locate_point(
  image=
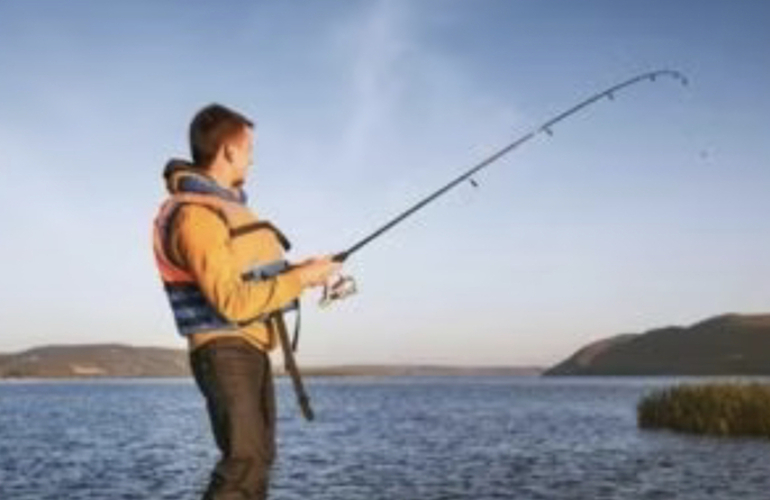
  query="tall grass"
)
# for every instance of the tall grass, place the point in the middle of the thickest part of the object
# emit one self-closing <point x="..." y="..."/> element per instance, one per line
<point x="715" y="409"/>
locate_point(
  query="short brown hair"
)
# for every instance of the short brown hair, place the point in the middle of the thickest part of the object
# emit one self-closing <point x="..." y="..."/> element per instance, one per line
<point x="211" y="127"/>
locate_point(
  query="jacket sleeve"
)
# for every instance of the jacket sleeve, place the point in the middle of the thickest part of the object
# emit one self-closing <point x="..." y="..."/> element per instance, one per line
<point x="200" y="240"/>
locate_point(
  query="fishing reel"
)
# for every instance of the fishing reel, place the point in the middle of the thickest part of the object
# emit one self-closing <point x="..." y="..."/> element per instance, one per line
<point x="337" y="288"/>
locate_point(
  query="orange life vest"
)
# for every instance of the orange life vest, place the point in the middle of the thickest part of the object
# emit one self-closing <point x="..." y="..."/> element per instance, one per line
<point x="192" y="311"/>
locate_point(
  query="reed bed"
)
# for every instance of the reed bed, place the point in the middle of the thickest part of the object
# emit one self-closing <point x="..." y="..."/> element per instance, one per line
<point x="723" y="409"/>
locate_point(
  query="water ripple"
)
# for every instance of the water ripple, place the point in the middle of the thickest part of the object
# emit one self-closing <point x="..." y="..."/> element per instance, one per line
<point x="400" y="438"/>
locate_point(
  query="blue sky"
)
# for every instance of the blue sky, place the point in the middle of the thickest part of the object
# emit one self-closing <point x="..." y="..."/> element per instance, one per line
<point x="646" y="211"/>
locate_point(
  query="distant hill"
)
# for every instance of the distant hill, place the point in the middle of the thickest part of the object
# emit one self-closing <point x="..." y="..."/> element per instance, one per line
<point x="98" y="360"/>
<point x="421" y="371"/>
<point x="115" y="360"/>
<point x="731" y="344"/>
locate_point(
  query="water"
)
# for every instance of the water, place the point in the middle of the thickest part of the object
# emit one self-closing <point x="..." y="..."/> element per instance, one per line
<point x="389" y="438"/>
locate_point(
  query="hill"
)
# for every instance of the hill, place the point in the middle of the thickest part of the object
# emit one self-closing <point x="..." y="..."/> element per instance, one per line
<point x="421" y="371"/>
<point x="115" y="360"/>
<point x="98" y="360"/>
<point x="731" y="344"/>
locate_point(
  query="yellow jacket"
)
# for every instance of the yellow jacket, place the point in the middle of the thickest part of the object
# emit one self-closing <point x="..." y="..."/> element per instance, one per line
<point x="206" y="238"/>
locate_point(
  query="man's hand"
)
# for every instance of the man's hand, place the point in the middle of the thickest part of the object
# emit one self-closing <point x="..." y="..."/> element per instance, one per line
<point x="316" y="271"/>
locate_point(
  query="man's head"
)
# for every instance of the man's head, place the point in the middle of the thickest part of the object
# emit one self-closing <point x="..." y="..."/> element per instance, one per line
<point x="222" y="144"/>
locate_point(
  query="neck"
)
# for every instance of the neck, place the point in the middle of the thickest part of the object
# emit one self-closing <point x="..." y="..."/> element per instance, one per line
<point x="219" y="174"/>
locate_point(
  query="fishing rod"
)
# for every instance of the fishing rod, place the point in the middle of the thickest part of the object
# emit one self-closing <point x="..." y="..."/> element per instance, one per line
<point x="345" y="286"/>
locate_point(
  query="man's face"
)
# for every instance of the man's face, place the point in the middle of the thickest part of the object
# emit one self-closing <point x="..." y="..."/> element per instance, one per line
<point x="241" y="156"/>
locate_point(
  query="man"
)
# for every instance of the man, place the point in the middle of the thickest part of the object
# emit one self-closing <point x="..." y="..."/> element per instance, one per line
<point x="207" y="245"/>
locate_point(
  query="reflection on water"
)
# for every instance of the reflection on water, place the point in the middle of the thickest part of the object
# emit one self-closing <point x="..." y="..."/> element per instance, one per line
<point x="391" y="438"/>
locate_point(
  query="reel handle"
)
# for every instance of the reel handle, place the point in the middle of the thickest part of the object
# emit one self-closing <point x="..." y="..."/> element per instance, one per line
<point x="337" y="288"/>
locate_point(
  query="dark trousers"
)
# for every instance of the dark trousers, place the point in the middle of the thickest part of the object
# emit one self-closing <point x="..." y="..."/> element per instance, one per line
<point x="236" y="380"/>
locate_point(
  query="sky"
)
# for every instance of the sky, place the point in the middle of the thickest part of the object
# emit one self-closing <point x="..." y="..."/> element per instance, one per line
<point x="642" y="212"/>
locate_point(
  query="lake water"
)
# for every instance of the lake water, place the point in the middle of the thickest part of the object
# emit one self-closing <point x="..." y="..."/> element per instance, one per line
<point x="374" y="438"/>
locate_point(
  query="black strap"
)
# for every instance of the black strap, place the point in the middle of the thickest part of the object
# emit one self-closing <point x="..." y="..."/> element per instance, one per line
<point x="297" y="322"/>
<point x="291" y="367"/>
<point x="259" y="225"/>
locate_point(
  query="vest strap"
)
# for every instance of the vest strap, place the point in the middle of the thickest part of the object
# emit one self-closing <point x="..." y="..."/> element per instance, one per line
<point x="291" y="367"/>
<point x="259" y="225"/>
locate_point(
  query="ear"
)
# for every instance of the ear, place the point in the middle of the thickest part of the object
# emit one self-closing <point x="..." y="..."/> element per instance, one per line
<point x="228" y="154"/>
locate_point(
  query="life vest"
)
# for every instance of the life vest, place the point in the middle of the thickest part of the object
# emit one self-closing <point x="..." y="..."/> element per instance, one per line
<point x="191" y="310"/>
<point x="258" y="249"/>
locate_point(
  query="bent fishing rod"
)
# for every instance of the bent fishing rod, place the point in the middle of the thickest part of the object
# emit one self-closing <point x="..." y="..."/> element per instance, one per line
<point x="345" y="286"/>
